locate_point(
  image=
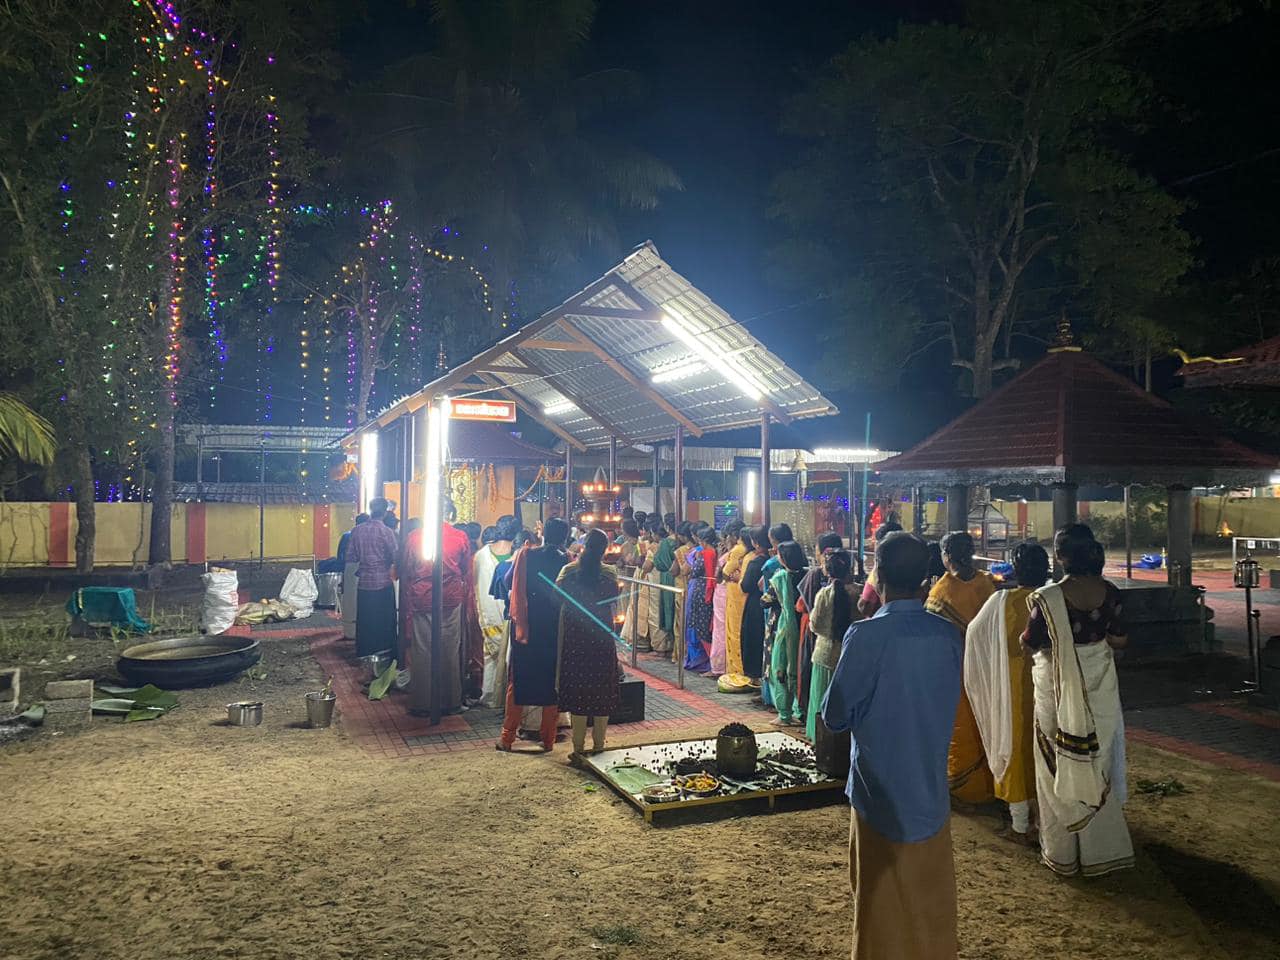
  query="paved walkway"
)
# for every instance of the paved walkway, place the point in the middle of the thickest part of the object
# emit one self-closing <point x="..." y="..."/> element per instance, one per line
<point x="1189" y="707"/>
<point x="385" y="726"/>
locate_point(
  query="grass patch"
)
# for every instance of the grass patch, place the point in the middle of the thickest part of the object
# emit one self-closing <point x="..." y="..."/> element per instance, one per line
<point x="27" y="639"/>
<point x="44" y="633"/>
<point x="620" y="935"/>
<point x="1168" y="787"/>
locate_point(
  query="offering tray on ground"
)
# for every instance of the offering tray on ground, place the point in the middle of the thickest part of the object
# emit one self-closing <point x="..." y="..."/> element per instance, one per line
<point x="786" y="766"/>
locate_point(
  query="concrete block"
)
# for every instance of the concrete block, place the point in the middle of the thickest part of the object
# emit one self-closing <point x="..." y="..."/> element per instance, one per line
<point x="68" y="714"/>
<point x="68" y="690"/>
<point x="82" y="704"/>
<point x="10" y="693"/>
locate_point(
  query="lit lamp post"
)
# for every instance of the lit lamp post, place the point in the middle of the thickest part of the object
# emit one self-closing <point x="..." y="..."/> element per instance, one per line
<point x="1248" y="576"/>
<point x="433" y="494"/>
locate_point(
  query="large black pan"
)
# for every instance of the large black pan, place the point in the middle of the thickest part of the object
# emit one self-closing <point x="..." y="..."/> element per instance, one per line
<point x="188" y="661"/>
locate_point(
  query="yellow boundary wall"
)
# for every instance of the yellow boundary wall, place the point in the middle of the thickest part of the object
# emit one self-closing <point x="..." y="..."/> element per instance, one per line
<point x="43" y="534"/>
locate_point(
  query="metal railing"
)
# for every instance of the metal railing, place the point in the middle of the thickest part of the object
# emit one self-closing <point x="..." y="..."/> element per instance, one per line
<point x="633" y="614"/>
<point x="310" y="557"/>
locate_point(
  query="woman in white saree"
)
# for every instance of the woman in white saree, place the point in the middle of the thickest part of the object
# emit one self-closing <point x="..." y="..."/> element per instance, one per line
<point x="1079" y="728"/>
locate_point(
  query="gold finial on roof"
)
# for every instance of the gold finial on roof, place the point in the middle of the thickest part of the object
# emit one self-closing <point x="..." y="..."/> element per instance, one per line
<point x="1065" y="342"/>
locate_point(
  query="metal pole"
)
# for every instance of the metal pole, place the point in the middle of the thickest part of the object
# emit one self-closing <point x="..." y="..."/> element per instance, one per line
<point x="613" y="460"/>
<point x="437" y="591"/>
<point x="262" y="502"/>
<point x="405" y="471"/>
<point x="412" y="458"/>
<point x="866" y="466"/>
<point x="679" y="467"/>
<point x="853" y="514"/>
<point x="568" y="484"/>
<point x="657" y="481"/>
<point x="1128" y="537"/>
<point x="1256" y="616"/>
<point x="218" y="461"/>
<point x="860" y="535"/>
<point x="635" y="626"/>
<point x="200" y="465"/>
<point x="764" y="470"/>
<point x="1248" y="627"/>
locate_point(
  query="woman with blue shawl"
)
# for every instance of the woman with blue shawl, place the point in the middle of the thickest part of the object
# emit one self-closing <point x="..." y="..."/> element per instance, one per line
<point x="701" y="563"/>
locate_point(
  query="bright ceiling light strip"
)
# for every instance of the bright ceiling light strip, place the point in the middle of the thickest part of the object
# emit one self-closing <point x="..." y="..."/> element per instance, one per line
<point x="851" y="454"/>
<point x="559" y="406"/>
<point x="732" y="372"/>
<point x="687" y="367"/>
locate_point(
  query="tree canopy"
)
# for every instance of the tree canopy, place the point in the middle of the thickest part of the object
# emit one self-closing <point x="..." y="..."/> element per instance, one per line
<point x="968" y="184"/>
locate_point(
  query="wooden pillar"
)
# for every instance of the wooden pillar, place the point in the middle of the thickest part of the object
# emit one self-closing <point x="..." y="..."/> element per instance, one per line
<point x="764" y="470"/>
<point x="1064" y="512"/>
<point x="568" y="484"/>
<point x="262" y="500"/>
<point x="957" y="508"/>
<point x="199" y="468"/>
<point x="1179" y="546"/>
<point x="1064" y="505"/>
<point x="679" y="475"/>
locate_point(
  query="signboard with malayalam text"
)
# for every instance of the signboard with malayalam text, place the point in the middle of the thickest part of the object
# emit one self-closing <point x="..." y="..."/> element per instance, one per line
<point x="485" y="411"/>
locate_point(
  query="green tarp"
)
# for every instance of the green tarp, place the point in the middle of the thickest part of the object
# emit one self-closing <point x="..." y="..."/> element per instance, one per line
<point x="101" y="606"/>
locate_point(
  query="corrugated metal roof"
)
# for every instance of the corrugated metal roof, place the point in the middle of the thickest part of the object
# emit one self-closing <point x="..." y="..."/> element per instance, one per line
<point x="270" y="493"/>
<point x="595" y="356"/>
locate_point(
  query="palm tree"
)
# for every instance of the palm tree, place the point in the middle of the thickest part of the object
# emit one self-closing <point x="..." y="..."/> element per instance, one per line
<point x="24" y="433"/>
<point x="500" y="137"/>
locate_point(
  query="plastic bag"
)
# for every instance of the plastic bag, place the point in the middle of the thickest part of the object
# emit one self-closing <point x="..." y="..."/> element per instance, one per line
<point x="264" y="611"/>
<point x="221" y="601"/>
<point x="299" y="591"/>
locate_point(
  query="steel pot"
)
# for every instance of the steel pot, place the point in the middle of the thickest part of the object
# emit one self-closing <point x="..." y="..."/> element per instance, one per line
<point x="244" y="713"/>
<point x="320" y="708"/>
<point x="376" y="664"/>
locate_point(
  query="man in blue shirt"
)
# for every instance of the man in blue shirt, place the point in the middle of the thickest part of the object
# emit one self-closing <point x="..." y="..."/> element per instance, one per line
<point x="896" y="689"/>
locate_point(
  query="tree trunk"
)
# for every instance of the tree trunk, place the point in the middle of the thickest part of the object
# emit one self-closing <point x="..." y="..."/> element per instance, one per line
<point x="1147" y="369"/>
<point x="158" y="553"/>
<point x="368" y="366"/>
<point x="86" y="516"/>
<point x="983" y="372"/>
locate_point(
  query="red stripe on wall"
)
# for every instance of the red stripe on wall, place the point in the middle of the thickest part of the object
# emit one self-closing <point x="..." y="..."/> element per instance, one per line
<point x="197" y="552"/>
<point x="320" y="530"/>
<point x="59" y="534"/>
<point x="1022" y="515"/>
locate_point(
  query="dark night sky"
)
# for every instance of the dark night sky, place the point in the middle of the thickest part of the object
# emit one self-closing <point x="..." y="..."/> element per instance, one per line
<point x="720" y="72"/>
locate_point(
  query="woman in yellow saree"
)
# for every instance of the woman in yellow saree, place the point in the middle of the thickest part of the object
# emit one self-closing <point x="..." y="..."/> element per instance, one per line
<point x="997" y="681"/>
<point x="735" y="679"/>
<point x="684" y="539"/>
<point x="958" y="596"/>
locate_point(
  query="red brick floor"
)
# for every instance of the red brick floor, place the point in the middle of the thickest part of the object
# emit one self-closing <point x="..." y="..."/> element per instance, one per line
<point x="385" y="727"/>
<point x="1224" y="732"/>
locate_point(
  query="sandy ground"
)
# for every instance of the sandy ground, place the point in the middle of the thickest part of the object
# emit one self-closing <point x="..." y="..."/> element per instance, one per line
<point x="185" y="838"/>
